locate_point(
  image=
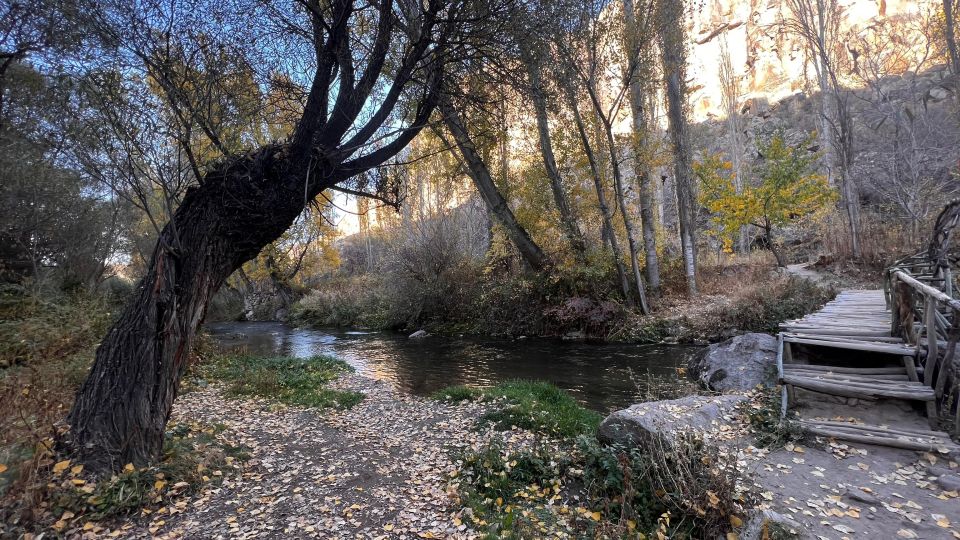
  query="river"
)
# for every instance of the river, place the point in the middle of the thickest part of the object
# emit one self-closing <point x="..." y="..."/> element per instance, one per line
<point x="603" y="376"/>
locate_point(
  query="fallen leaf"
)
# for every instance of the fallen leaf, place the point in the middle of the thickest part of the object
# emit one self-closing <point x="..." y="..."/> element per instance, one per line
<point x="61" y="466"/>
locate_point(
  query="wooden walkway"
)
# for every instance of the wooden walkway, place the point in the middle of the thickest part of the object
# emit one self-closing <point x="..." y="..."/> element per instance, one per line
<point x="849" y="352"/>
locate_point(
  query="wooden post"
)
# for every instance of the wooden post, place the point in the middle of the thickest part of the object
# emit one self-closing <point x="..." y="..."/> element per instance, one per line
<point x="933" y="351"/>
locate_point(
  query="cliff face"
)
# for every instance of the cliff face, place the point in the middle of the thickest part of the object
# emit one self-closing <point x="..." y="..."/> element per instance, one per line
<point x="767" y="63"/>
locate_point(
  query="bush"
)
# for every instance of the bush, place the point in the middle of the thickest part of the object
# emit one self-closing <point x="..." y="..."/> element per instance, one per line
<point x="502" y="488"/>
<point x="682" y="488"/>
<point x="764" y="307"/>
<point x="295" y="381"/>
<point x="65" y="498"/>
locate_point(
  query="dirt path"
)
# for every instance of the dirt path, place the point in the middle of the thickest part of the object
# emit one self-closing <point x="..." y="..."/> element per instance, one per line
<point x="380" y="470"/>
<point x="375" y="471"/>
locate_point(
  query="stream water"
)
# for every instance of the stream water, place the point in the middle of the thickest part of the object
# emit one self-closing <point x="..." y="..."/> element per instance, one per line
<point x="601" y="376"/>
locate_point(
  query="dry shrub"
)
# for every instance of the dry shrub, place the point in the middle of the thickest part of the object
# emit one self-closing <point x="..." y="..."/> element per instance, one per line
<point x="46" y="346"/>
<point x="685" y="487"/>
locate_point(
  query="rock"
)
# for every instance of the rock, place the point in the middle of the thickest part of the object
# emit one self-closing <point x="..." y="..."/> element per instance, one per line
<point x="419" y="334"/>
<point x="949" y="482"/>
<point x="857" y="494"/>
<point x="576" y="335"/>
<point x="738" y="364"/>
<point x="692" y="413"/>
<point x="770" y="524"/>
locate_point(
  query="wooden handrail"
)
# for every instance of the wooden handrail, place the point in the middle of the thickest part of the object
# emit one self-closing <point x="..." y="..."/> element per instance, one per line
<point x="927" y="290"/>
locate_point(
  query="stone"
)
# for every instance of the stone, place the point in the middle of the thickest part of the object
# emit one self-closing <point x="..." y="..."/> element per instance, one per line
<point x="643" y="420"/>
<point x="575" y="335"/>
<point x="739" y="364"/>
<point x="419" y="334"/>
<point x="857" y="494"/>
<point x="949" y="482"/>
<point x="770" y="524"/>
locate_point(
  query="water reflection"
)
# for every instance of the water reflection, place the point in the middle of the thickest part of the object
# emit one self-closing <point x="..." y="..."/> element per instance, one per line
<point x="603" y="377"/>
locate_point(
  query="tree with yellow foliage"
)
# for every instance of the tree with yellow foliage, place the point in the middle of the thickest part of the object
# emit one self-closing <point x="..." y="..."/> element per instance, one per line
<point x="787" y="189"/>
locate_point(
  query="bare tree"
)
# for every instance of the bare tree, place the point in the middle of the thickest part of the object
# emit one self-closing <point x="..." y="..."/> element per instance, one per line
<point x="818" y="24"/>
<point x="730" y="96"/>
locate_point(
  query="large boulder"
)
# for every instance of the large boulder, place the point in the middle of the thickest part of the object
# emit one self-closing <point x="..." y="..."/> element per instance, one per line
<point x="738" y="364"/>
<point x="419" y="334"/>
<point x="665" y="418"/>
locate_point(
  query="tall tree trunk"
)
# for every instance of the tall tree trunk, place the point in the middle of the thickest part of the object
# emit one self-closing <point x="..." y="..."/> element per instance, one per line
<point x="621" y="202"/>
<point x="480" y="174"/>
<point x="568" y="219"/>
<point x="121" y="410"/>
<point x="605" y="212"/>
<point x="637" y="75"/>
<point x="673" y="54"/>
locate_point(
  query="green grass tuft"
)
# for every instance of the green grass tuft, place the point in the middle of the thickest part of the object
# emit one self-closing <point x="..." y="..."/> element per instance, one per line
<point x="457" y="394"/>
<point x="294" y="381"/>
<point x="533" y="405"/>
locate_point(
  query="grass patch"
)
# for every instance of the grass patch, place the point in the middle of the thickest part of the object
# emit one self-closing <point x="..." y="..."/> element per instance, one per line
<point x="294" y="381"/>
<point x="457" y="394"/>
<point x="534" y="405"/>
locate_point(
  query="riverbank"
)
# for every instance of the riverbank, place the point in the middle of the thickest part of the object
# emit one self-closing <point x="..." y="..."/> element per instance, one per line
<point x="734" y="299"/>
<point x="399" y="466"/>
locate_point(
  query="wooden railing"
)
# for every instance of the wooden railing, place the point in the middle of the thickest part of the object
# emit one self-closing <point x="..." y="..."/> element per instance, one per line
<point x="926" y="314"/>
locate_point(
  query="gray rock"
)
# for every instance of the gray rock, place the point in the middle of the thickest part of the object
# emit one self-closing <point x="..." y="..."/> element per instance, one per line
<point x="770" y="524"/>
<point x="738" y="364"/>
<point x="949" y="482"/>
<point x="575" y="335"/>
<point x="857" y="494"/>
<point x="419" y="334"/>
<point x="643" y="420"/>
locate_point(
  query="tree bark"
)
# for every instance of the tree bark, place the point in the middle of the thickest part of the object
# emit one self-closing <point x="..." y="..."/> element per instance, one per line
<point x="621" y="202"/>
<point x="674" y="64"/>
<point x="605" y="212"/>
<point x="121" y="410"/>
<point x="636" y="80"/>
<point x="482" y="179"/>
<point x="777" y="253"/>
<point x="568" y="219"/>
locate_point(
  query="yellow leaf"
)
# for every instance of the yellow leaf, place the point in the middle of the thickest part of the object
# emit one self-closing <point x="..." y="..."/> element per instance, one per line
<point x="733" y="536"/>
<point x="388" y="527"/>
<point x="714" y="500"/>
<point x="595" y="516"/>
<point x="3" y="468"/>
<point x="61" y="466"/>
<point x="426" y="534"/>
<point x="499" y="501"/>
<point x="76" y="469"/>
<point x="158" y="485"/>
<point x="457" y="522"/>
<point x="129" y="467"/>
<point x="735" y="521"/>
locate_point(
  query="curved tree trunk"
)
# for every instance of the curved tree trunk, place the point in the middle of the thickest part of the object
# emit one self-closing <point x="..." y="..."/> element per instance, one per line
<point x="122" y="408"/>
<point x="480" y="174"/>
<point x="567" y="218"/>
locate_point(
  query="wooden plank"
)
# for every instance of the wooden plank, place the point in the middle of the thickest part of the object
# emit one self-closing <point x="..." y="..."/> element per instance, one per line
<point x="849" y="389"/>
<point x="861" y="371"/>
<point x="928" y="290"/>
<point x="928" y="445"/>
<point x="861" y="346"/>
